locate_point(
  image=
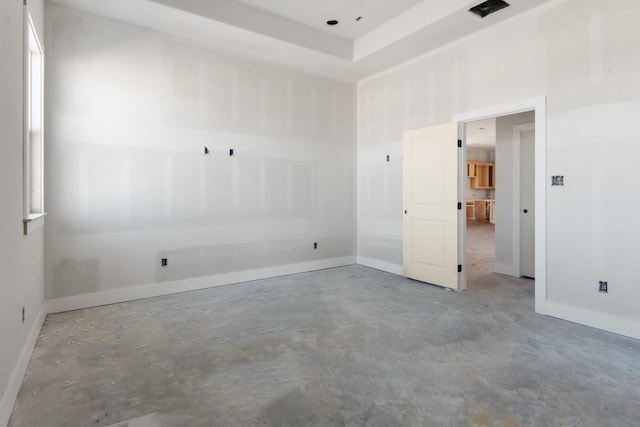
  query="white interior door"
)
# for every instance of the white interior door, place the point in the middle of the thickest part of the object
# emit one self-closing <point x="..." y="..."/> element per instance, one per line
<point x="430" y="203"/>
<point x="527" y="203"/>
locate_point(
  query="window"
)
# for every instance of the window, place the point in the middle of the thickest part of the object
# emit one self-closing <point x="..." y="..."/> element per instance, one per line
<point x="33" y="132"/>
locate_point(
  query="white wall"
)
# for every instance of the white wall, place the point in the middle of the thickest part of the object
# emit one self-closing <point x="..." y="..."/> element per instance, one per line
<point x="130" y="112"/>
<point x="479" y="155"/>
<point x="21" y="257"/>
<point x="504" y="261"/>
<point x="579" y="53"/>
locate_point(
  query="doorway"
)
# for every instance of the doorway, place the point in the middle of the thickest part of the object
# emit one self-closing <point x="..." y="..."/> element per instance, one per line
<point x="480" y="148"/>
<point x="505" y="262"/>
<point x="505" y="144"/>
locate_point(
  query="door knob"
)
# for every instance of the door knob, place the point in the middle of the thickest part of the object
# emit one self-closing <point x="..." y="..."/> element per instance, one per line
<point x="405" y="211"/>
<point x="525" y="211"/>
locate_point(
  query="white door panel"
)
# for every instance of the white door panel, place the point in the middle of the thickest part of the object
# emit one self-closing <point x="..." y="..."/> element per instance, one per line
<point x="430" y="198"/>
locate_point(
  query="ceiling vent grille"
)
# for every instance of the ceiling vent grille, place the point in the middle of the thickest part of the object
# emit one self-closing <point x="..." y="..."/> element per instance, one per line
<point x="488" y="7"/>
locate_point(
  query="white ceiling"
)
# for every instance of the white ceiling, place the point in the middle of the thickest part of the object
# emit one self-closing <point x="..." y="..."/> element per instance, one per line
<point x="481" y="134"/>
<point x="315" y="13"/>
<point x="294" y="32"/>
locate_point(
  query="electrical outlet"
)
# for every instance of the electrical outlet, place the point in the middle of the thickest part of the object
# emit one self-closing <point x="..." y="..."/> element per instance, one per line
<point x="557" y="180"/>
<point x="603" y="287"/>
<point x="315" y="245"/>
<point x="164" y="262"/>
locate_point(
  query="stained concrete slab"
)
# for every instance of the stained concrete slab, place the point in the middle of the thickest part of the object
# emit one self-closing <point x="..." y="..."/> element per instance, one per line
<point x="144" y="421"/>
<point x="348" y="346"/>
<point x="481" y="257"/>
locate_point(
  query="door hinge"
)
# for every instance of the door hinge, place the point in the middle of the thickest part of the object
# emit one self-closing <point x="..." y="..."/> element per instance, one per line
<point x="459" y="268"/>
<point x="459" y="206"/>
<point x="459" y="143"/>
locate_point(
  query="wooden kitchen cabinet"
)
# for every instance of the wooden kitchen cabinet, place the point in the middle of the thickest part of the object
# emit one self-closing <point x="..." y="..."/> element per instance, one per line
<point x="481" y="210"/>
<point x="472" y="169"/>
<point x="471" y="209"/>
<point x="482" y="175"/>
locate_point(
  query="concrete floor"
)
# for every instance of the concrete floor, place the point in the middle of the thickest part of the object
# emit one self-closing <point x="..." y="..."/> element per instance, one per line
<point x="481" y="257"/>
<point x="348" y="346"/>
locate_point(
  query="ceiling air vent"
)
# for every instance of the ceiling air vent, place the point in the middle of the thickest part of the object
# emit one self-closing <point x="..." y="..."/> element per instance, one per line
<point x="488" y="7"/>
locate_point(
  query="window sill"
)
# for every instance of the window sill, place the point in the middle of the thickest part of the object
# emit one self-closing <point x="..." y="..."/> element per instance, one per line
<point x="34" y="222"/>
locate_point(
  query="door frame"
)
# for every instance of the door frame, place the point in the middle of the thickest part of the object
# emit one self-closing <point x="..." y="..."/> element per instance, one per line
<point x="538" y="105"/>
<point x="517" y="185"/>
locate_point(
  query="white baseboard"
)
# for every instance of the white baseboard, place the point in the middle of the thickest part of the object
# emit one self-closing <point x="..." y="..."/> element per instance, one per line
<point x="601" y="321"/>
<point x="78" y="302"/>
<point x="381" y="265"/>
<point x="15" y="382"/>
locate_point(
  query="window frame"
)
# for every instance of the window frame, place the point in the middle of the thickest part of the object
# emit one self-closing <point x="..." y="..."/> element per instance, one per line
<point x="33" y="133"/>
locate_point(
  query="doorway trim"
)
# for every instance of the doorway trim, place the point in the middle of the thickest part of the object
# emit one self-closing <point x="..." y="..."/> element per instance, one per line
<point x="538" y="105"/>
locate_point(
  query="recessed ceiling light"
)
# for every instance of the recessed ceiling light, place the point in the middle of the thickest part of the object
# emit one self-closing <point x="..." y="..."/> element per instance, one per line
<point x="488" y="7"/>
<point x="332" y="22"/>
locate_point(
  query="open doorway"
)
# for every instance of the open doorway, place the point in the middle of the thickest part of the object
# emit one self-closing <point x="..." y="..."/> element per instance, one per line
<point x="500" y="202"/>
<point x="480" y="203"/>
<point x="434" y="220"/>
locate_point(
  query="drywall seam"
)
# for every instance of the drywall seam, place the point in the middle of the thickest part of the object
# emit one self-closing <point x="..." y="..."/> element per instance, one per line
<point x="78" y="302"/>
<point x="11" y="392"/>
<point x="381" y="265"/>
<point x="593" y="319"/>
